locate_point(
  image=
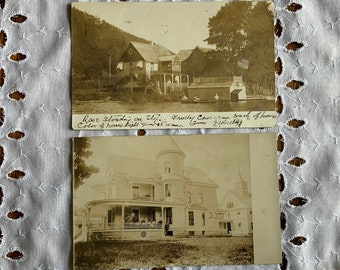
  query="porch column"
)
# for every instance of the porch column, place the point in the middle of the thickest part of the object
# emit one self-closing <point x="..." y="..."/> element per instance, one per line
<point x="164" y="84"/>
<point x="172" y="82"/>
<point x="83" y="226"/>
<point x="123" y="214"/>
<point x="180" y="82"/>
<point x="87" y="218"/>
<point x="163" y="223"/>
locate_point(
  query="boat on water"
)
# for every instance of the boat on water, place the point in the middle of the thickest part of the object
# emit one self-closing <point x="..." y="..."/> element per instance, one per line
<point x="201" y="101"/>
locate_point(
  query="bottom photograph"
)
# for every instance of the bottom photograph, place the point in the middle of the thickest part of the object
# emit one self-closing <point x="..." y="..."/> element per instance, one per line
<point x="156" y="201"/>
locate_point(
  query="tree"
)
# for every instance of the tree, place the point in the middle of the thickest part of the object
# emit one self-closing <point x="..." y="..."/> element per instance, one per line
<point x="242" y="30"/>
<point x="82" y="171"/>
<point x="92" y="38"/>
<point x="227" y="32"/>
<point x="260" y="49"/>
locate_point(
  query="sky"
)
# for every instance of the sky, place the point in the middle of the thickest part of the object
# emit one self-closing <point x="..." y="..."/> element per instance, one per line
<point x="174" y="25"/>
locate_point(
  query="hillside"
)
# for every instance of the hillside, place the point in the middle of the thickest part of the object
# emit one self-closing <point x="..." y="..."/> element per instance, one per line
<point x="92" y="39"/>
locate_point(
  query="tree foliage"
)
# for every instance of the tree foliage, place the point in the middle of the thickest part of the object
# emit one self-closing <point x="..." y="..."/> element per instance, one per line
<point x="227" y="32"/>
<point x="82" y="171"/>
<point x="242" y="30"/>
<point x="92" y="41"/>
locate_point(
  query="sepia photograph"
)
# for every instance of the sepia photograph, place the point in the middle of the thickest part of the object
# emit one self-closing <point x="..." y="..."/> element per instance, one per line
<point x="156" y="201"/>
<point x="169" y="58"/>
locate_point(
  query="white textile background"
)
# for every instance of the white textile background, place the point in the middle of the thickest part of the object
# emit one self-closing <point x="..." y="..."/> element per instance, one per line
<point x="42" y="237"/>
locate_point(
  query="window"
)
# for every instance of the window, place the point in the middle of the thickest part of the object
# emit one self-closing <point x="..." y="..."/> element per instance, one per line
<point x="251" y="225"/>
<point x="135" y="191"/>
<point x="168" y="215"/>
<point x="203" y="219"/>
<point x="167" y="167"/>
<point x="167" y="190"/>
<point x="189" y="197"/>
<point x="154" y="66"/>
<point x="139" y="64"/>
<point x="191" y="218"/>
<point x="110" y="216"/>
<point x="200" y="198"/>
<point x="120" y="66"/>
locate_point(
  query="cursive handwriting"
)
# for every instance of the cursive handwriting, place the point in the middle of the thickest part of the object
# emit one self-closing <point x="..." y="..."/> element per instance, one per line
<point x="178" y="120"/>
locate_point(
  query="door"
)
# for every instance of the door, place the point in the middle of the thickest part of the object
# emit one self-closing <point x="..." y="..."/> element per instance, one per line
<point x="135" y="215"/>
<point x="229" y="227"/>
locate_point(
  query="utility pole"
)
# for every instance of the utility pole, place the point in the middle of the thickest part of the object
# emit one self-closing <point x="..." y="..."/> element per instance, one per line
<point x="110" y="64"/>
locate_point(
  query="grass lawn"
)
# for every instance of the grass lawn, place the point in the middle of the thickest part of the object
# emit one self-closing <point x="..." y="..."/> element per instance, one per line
<point x="158" y="253"/>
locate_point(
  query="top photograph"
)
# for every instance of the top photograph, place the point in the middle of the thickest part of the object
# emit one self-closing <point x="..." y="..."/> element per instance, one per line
<point x="173" y="65"/>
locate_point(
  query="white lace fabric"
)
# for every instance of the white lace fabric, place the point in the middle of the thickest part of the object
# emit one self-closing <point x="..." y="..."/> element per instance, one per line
<point x="40" y="238"/>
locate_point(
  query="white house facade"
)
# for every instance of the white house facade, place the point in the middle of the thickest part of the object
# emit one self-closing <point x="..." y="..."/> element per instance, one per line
<point x="237" y="206"/>
<point x="145" y="199"/>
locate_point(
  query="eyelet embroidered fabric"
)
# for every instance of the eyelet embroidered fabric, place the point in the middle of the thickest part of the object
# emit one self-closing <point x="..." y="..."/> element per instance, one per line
<point x="35" y="187"/>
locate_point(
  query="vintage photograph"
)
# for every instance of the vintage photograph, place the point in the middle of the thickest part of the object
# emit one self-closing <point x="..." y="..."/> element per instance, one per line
<point x="159" y="201"/>
<point x="189" y="57"/>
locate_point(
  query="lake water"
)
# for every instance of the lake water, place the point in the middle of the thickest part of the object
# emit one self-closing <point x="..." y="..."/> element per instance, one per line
<point x="118" y="107"/>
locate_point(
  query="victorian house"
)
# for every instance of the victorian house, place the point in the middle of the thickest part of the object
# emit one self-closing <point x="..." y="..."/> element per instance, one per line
<point x="146" y="61"/>
<point x="145" y="199"/>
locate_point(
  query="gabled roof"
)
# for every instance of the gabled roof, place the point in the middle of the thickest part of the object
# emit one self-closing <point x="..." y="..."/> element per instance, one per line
<point x="244" y="200"/>
<point x="184" y="54"/>
<point x="151" y="52"/>
<point x="196" y="176"/>
<point x="204" y="50"/>
<point x="166" y="58"/>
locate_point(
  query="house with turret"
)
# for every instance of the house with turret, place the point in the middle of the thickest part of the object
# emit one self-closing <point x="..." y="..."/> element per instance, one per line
<point x="151" y="199"/>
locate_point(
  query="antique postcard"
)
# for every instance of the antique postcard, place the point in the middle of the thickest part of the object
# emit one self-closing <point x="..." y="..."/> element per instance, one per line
<point x="156" y="201"/>
<point x="173" y="65"/>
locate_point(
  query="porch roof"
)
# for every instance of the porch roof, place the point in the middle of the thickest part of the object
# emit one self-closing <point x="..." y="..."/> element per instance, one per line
<point x="132" y="203"/>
